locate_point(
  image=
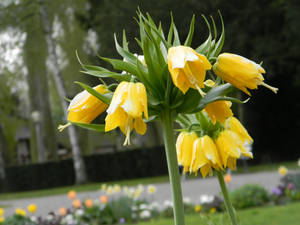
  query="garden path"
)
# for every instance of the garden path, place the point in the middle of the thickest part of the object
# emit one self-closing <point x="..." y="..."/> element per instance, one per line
<point x="192" y="189"/>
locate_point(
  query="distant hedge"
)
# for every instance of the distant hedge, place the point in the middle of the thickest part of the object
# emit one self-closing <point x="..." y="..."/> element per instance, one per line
<point x="100" y="168"/>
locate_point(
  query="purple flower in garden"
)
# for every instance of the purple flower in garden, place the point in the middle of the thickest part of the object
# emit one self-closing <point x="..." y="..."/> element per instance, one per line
<point x="122" y="220"/>
<point x="291" y="186"/>
<point x="276" y="191"/>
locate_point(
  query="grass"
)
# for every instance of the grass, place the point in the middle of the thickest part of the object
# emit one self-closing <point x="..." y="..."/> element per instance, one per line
<point x="273" y="215"/>
<point x="133" y="182"/>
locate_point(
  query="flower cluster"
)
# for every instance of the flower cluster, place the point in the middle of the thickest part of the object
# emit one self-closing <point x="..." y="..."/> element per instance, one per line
<point x="218" y="151"/>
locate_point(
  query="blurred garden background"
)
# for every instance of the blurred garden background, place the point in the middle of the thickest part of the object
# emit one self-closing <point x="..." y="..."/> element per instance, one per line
<point x="38" y="67"/>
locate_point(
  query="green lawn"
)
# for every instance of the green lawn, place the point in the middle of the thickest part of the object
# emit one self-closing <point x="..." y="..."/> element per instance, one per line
<point x="133" y="182"/>
<point x="273" y="215"/>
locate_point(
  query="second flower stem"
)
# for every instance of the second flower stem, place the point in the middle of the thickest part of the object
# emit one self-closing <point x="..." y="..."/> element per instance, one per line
<point x="170" y="148"/>
<point x="227" y="201"/>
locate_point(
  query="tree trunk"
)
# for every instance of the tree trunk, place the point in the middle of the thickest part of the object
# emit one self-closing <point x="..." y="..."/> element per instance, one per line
<point x="78" y="162"/>
<point x="43" y="141"/>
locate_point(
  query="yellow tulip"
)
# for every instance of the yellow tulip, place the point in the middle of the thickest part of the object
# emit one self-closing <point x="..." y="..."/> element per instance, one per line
<point x="32" y="208"/>
<point x="187" y="68"/>
<point x="231" y="147"/>
<point x="126" y="110"/>
<point x="20" y="211"/>
<point x="282" y="170"/>
<point x="205" y="156"/>
<point x="235" y="125"/>
<point x="84" y="107"/>
<point x="184" y="148"/>
<point x="242" y="73"/>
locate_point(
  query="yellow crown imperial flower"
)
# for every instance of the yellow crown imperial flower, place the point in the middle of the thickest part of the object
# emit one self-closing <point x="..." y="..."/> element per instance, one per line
<point x="231" y="147"/>
<point x="187" y="68"/>
<point x="184" y="147"/>
<point x="20" y="212"/>
<point x="126" y="109"/>
<point x="84" y="107"/>
<point x="205" y="156"/>
<point x="219" y="111"/>
<point x="235" y="125"/>
<point x="241" y="72"/>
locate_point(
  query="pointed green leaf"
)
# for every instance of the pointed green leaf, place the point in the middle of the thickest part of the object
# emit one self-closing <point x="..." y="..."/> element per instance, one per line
<point x="124" y="53"/>
<point x="125" y="43"/>
<point x="122" y="65"/>
<point x="93" y="127"/>
<point x="219" y="45"/>
<point x="106" y="98"/>
<point x="176" y="41"/>
<point x="189" y="38"/>
<point x="117" y="76"/>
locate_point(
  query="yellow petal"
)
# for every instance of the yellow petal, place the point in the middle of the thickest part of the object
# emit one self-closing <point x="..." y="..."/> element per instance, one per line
<point x="140" y="126"/>
<point x="116" y="119"/>
<point x="219" y="111"/>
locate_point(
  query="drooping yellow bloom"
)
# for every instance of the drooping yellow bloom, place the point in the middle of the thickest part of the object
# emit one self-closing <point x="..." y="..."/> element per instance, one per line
<point x="205" y="156"/>
<point x="126" y="110"/>
<point x="187" y="68"/>
<point x="218" y="111"/>
<point x="235" y="125"/>
<point x="242" y="73"/>
<point x="84" y="107"/>
<point x="32" y="208"/>
<point x="282" y="170"/>
<point x="184" y="148"/>
<point x="231" y="147"/>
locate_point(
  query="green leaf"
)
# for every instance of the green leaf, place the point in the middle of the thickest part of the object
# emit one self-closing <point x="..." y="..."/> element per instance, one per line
<point x="117" y="76"/>
<point x="124" y="53"/>
<point x="219" y="45"/>
<point x="176" y="41"/>
<point x="121" y="65"/>
<point x="189" y="38"/>
<point x="205" y="46"/>
<point x="93" y="127"/>
<point x="125" y="43"/>
<point x="106" y="98"/>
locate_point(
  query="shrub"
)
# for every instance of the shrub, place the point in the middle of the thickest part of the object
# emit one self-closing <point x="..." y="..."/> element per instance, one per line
<point x="249" y="195"/>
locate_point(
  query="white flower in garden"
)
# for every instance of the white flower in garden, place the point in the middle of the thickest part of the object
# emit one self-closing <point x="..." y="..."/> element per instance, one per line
<point x="134" y="208"/>
<point x="110" y="190"/>
<point x="154" y="206"/>
<point x="168" y="204"/>
<point x="68" y="219"/>
<point x="151" y="189"/>
<point x="299" y="162"/>
<point x="125" y="190"/>
<point x="79" y="212"/>
<point x="140" y="188"/>
<point x="145" y="214"/>
<point x="206" y="199"/>
<point x="49" y="217"/>
<point x="33" y="219"/>
<point x="131" y="192"/>
<point x="186" y="200"/>
<point x="143" y="206"/>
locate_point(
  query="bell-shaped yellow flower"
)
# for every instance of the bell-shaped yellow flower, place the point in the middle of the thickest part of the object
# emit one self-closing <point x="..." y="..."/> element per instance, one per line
<point x="84" y="107"/>
<point x="231" y="147"/>
<point x="205" y="156"/>
<point x="184" y="148"/>
<point x="187" y="68"/>
<point x="219" y="111"/>
<point x="242" y="73"/>
<point x="126" y="109"/>
<point x="235" y="125"/>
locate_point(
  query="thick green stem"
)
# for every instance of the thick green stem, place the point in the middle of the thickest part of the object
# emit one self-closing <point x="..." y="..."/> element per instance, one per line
<point x="227" y="200"/>
<point x="169" y="140"/>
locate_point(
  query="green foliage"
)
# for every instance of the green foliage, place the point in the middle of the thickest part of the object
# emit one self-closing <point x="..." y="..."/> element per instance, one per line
<point x="18" y="220"/>
<point x="249" y="195"/>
